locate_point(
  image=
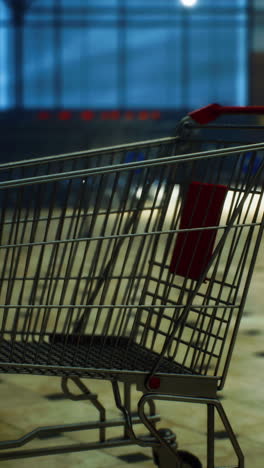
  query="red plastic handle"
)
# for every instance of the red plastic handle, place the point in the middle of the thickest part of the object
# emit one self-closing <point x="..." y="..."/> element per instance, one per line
<point x="209" y="113"/>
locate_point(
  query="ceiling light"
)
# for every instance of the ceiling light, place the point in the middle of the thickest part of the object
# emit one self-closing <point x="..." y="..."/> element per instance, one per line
<point x="189" y="3"/>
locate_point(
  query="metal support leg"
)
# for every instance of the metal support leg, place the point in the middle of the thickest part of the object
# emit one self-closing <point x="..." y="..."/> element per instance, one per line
<point x="127" y="403"/>
<point x="211" y="403"/>
<point x="85" y="395"/>
<point x="232" y="437"/>
<point x="210" y="435"/>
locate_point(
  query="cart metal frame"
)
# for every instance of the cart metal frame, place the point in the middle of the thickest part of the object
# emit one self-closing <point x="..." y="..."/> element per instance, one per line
<point x="106" y="221"/>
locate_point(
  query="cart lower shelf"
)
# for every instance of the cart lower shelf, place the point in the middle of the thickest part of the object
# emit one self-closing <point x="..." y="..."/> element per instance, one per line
<point x="61" y="356"/>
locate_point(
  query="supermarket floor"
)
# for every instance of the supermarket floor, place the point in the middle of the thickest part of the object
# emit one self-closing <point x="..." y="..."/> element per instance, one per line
<point x="28" y="402"/>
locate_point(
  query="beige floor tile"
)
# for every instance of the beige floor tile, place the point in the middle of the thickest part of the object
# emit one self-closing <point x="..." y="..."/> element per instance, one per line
<point x="42" y="385"/>
<point x="9" y="432"/>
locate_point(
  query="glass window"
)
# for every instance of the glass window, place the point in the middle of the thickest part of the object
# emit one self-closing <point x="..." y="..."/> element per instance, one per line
<point x="38" y="67"/>
<point x="153" y="75"/>
<point x="4" y="10"/>
<point x="4" y="65"/>
<point x="89" y="68"/>
<point x="127" y="54"/>
<point x="42" y="4"/>
<point x="217" y="61"/>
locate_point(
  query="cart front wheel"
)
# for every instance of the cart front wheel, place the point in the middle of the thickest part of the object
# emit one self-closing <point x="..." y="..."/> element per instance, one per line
<point x="187" y="460"/>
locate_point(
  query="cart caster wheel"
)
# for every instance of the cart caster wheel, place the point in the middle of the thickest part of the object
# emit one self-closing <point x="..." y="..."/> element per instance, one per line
<point x="155" y="457"/>
<point x="187" y="460"/>
<point x="161" y="455"/>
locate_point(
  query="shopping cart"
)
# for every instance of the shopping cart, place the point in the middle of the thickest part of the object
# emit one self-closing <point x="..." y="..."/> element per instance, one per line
<point x="133" y="269"/>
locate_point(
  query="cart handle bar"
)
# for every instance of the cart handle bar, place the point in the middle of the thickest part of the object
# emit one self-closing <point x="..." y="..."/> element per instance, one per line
<point x="211" y="112"/>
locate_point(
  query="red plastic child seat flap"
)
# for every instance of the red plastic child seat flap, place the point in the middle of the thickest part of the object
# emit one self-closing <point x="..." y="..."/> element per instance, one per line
<point x="202" y="208"/>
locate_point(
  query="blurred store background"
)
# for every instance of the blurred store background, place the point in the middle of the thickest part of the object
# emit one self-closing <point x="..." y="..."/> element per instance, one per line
<point x="76" y="74"/>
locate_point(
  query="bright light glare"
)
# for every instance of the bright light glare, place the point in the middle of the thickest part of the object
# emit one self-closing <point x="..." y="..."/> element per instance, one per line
<point x="189" y="3"/>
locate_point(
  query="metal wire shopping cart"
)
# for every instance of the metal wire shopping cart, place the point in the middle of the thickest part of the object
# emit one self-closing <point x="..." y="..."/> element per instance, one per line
<point x="130" y="264"/>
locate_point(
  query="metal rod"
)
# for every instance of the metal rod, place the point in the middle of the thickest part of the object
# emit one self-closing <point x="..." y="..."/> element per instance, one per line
<point x="132" y="166"/>
<point x="86" y="153"/>
<point x="123" y="236"/>
<point x="64" y="449"/>
<point x="210" y="436"/>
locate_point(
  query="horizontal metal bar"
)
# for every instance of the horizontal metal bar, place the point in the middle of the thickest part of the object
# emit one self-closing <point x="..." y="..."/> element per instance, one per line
<point x="188" y="324"/>
<point x="125" y="236"/>
<point x="221" y="142"/>
<point x="204" y="332"/>
<point x="105" y="374"/>
<point x="208" y="297"/>
<point x="187" y="289"/>
<point x="87" y="153"/>
<point x="68" y="428"/>
<point x="181" y="340"/>
<point x="64" y="449"/>
<point x="232" y="127"/>
<point x="111" y="306"/>
<point x="69" y="278"/>
<point x="161" y="161"/>
<point x="81" y="215"/>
